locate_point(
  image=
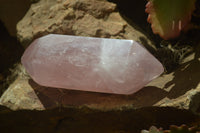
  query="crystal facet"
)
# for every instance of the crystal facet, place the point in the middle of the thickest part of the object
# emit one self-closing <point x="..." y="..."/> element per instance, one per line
<point x="90" y="64"/>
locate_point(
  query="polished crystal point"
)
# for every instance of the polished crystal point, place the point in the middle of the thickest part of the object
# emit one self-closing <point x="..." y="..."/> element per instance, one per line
<point x="90" y="64"/>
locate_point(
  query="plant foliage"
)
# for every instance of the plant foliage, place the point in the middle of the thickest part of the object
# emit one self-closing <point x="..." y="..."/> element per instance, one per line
<point x="173" y="129"/>
<point x="169" y="17"/>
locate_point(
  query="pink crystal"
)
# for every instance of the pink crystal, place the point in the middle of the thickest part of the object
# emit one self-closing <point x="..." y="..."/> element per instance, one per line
<point x="90" y="64"/>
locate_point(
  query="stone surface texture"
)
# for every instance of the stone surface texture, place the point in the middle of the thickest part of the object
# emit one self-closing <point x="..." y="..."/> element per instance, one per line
<point x="162" y="103"/>
<point x="179" y="89"/>
<point x="93" y="18"/>
<point x="90" y="64"/>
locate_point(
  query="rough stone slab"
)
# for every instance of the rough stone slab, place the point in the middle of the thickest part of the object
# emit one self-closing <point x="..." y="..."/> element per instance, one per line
<point x="93" y="18"/>
<point x="180" y="89"/>
<point x="24" y="93"/>
<point x="19" y="93"/>
<point x="50" y="16"/>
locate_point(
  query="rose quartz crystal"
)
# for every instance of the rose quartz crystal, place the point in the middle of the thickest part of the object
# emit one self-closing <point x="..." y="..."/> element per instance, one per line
<point x="90" y="64"/>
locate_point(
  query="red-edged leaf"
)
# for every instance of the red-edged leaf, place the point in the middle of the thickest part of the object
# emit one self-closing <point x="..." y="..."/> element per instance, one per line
<point x="169" y="17"/>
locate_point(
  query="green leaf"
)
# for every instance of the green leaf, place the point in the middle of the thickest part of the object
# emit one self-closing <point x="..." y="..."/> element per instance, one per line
<point x="169" y="17"/>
